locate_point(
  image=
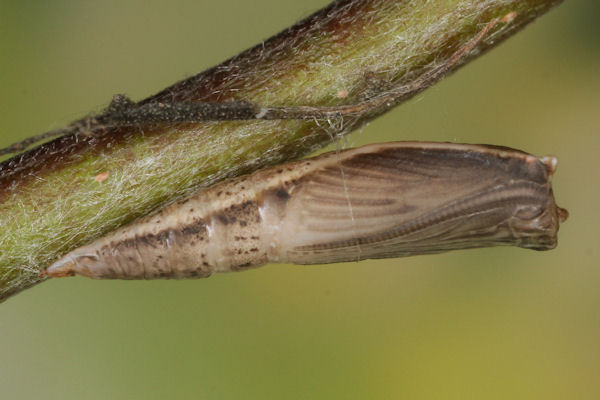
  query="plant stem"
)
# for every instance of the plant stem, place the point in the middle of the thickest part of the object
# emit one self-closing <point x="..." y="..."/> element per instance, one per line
<point x="80" y="186"/>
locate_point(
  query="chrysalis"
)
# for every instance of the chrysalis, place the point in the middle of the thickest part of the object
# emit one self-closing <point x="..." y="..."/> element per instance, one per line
<point x="377" y="201"/>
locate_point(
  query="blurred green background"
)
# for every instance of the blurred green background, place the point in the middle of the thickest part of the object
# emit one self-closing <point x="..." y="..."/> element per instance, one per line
<point x="487" y="324"/>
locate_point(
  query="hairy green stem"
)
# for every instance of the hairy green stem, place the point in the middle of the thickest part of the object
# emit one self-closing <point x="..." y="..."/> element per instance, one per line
<point x="71" y="190"/>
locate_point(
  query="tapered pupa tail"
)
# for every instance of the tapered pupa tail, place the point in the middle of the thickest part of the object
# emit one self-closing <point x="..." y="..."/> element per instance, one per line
<point x="62" y="268"/>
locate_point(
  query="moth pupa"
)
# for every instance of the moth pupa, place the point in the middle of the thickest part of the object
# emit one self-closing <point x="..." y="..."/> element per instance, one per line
<point x="377" y="201"/>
